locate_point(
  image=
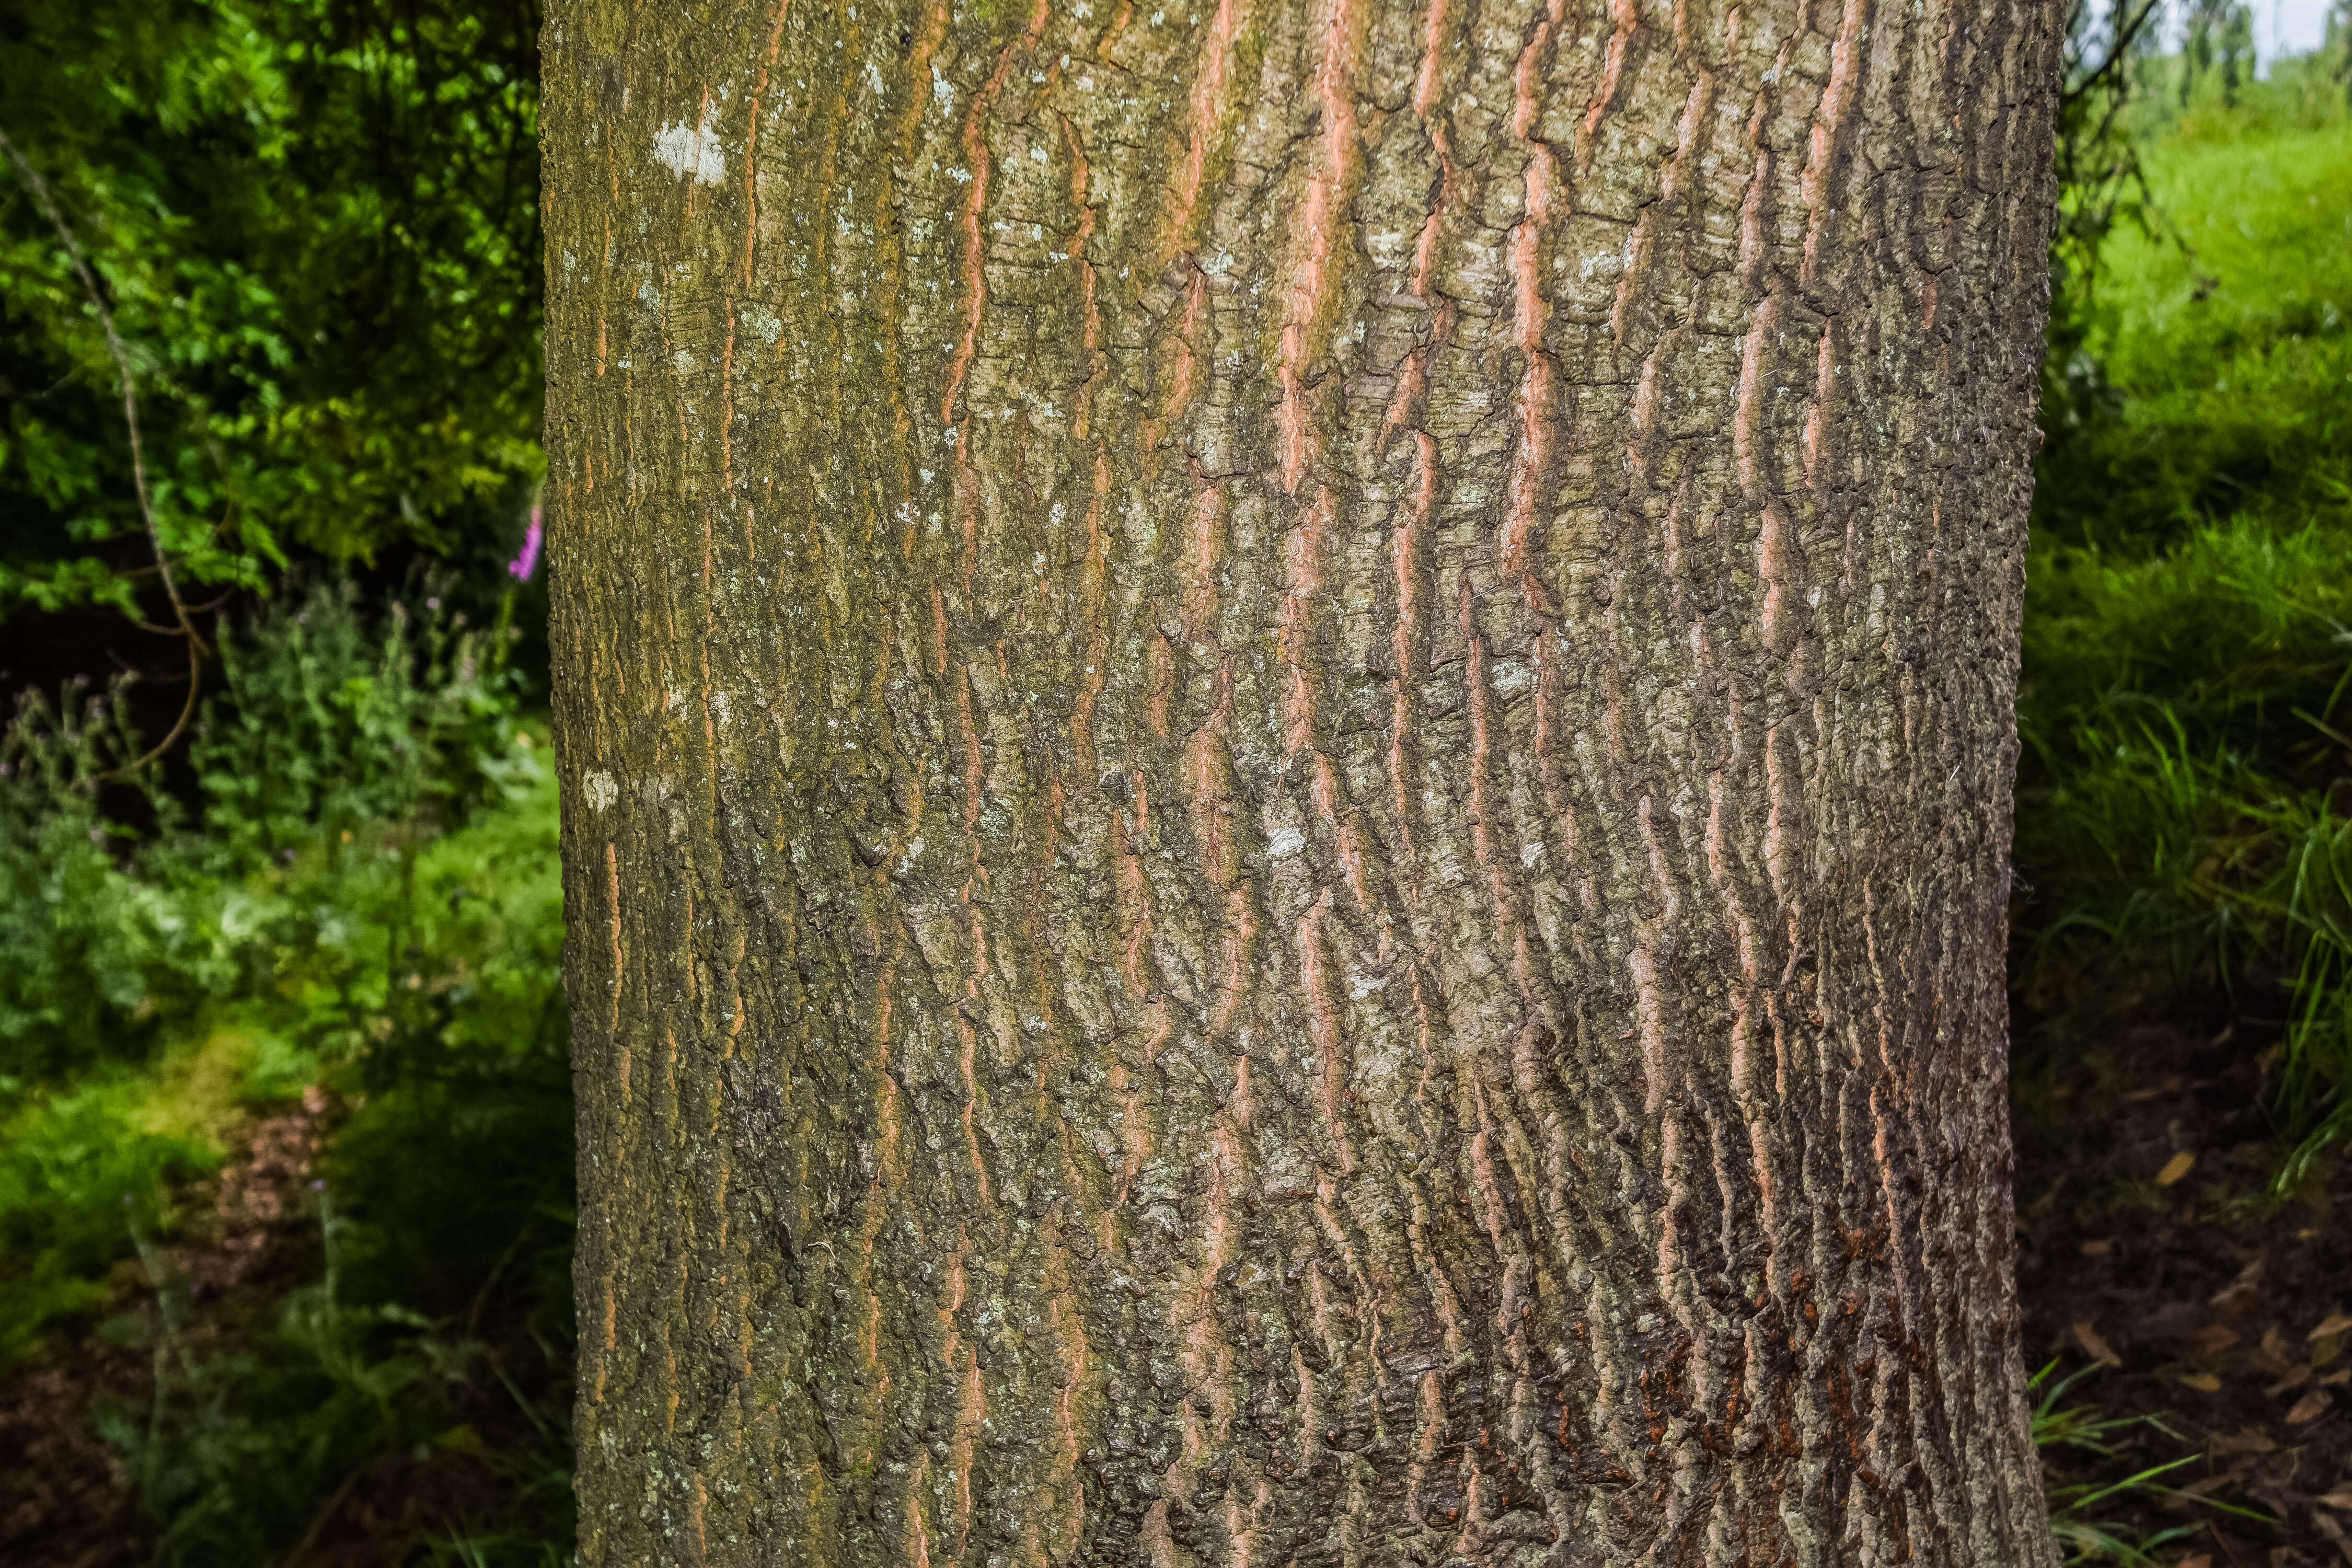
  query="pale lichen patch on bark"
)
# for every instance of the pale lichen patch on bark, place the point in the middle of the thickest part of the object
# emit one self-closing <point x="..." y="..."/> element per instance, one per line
<point x="692" y="152"/>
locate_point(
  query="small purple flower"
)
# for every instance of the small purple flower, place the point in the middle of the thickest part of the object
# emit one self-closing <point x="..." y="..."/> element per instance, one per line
<point x="317" y="1186"/>
<point x="523" y="566"/>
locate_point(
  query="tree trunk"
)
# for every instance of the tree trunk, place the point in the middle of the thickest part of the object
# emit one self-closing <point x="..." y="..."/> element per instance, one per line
<point x="1286" y="736"/>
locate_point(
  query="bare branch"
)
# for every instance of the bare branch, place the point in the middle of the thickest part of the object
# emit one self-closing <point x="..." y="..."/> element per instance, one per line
<point x="2127" y="32"/>
<point x="130" y="379"/>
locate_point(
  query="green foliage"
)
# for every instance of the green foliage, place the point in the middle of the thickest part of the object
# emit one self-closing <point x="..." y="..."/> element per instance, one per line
<point x="2213" y="362"/>
<point x="2068" y="1434"/>
<point x="363" y="896"/>
<point x="77" y="937"/>
<point x="316" y="224"/>
<point x="233" y="1449"/>
<point x="425" y="986"/>
<point x="77" y="1170"/>
<point x="2182" y="809"/>
<point x="326" y="724"/>
<point x="2219" y="43"/>
<point x="2101" y="188"/>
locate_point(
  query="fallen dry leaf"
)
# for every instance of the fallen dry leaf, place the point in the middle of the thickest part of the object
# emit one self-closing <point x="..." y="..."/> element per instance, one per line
<point x="2272" y="1353"/>
<point x="2337" y="1378"/>
<point x="2204" y="1484"/>
<point x="2340" y="1499"/>
<point x="2179" y="1165"/>
<point x="2098" y="1349"/>
<point x="2244" y="1440"/>
<point x="2335" y="1532"/>
<point x="2309" y="1408"/>
<point x="2203" y="1560"/>
<point x="2334" y="1323"/>
<point x="2295" y="1378"/>
<point x="2211" y="1340"/>
<point x="2243" y="1285"/>
<point x="2097" y="1248"/>
<point x="2202" y="1382"/>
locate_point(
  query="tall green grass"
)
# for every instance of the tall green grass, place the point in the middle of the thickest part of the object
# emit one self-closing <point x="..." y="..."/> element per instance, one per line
<point x="2185" y="809"/>
<point x="2069" y="1432"/>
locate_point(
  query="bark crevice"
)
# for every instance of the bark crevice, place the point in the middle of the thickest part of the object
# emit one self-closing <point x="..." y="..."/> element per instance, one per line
<point x="1287" y="730"/>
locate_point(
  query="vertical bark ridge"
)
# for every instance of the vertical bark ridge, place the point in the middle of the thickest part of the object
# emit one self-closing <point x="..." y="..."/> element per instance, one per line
<point x="1291" y="847"/>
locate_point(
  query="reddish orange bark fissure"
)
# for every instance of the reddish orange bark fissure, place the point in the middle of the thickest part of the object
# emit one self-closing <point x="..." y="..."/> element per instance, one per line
<point x="1286" y="732"/>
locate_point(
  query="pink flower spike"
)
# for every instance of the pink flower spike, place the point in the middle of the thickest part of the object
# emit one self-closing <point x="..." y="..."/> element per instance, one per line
<point x="523" y="566"/>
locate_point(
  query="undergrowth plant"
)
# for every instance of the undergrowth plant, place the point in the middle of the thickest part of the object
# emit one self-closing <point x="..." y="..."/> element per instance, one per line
<point x="2185" y="798"/>
<point x="2067" y="1433"/>
<point x="2192" y="777"/>
<point x="78" y="938"/>
<point x="327" y="724"/>
<point x="231" y="1446"/>
<point x="353" y="898"/>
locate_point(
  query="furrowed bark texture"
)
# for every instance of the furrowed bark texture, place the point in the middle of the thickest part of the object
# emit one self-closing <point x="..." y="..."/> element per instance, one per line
<point x="1286" y="739"/>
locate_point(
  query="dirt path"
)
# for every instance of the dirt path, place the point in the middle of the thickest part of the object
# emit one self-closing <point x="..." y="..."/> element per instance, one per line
<point x="68" y="1499"/>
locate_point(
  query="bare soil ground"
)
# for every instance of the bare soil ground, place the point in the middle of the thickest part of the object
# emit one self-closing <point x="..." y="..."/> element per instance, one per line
<point x="2151" y="1245"/>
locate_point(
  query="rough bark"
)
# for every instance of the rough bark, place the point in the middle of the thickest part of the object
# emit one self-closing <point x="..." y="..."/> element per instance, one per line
<point x="1287" y="735"/>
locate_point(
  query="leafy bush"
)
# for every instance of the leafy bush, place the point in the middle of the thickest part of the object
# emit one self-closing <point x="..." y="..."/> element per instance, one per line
<point x="285" y="906"/>
<point x="79" y="939"/>
<point x="78" y="1171"/>
<point x="362" y="895"/>
<point x="416" y="974"/>
<point x="316" y="223"/>
<point x="327" y="726"/>
<point x="233" y="1448"/>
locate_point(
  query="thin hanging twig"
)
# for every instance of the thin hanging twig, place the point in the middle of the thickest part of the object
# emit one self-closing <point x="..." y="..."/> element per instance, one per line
<point x="129" y="376"/>
<point x="2128" y="26"/>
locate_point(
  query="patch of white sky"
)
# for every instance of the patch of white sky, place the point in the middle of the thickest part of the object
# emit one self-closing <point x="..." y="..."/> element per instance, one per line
<point x="2282" y="27"/>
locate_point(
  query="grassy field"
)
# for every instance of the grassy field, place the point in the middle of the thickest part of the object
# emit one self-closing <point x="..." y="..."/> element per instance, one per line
<point x="2221" y="344"/>
<point x="2182" y="962"/>
<point x="2184" y="800"/>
